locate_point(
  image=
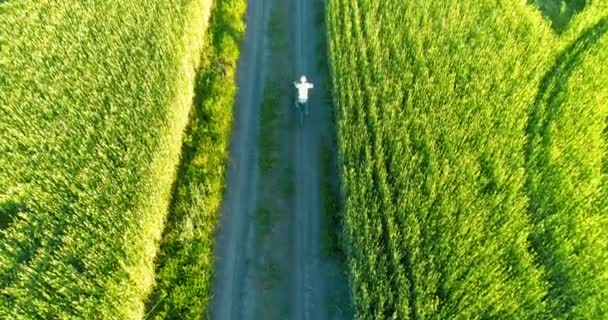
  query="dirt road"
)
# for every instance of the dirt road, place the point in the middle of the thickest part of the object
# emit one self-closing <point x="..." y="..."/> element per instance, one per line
<point x="277" y="270"/>
<point x="233" y="298"/>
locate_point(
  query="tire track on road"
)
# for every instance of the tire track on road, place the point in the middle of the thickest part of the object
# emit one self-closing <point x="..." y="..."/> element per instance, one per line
<point x="234" y="292"/>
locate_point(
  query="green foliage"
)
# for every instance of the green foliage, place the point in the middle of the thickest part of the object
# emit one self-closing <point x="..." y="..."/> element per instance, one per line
<point x="591" y="16"/>
<point x="94" y="96"/>
<point x="185" y="264"/>
<point x="566" y="151"/>
<point x="473" y="144"/>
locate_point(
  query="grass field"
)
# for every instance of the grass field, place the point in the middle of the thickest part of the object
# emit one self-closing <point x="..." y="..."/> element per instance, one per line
<point x="94" y="97"/>
<point x="473" y="159"/>
<point x="566" y="172"/>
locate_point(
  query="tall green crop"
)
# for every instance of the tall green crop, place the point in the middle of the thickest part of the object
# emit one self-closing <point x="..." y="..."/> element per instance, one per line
<point x="566" y="177"/>
<point x="185" y="261"/>
<point x="434" y="98"/>
<point x="473" y="147"/>
<point x="94" y="96"/>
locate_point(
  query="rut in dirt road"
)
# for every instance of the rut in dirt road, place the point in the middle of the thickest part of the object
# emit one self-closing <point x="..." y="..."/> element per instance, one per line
<point x="281" y="273"/>
<point x="308" y="292"/>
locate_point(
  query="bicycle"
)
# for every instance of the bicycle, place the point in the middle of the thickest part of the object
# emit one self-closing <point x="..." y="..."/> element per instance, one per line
<point x="302" y="109"/>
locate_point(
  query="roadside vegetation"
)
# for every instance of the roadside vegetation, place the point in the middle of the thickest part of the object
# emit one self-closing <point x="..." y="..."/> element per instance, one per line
<point x="94" y="98"/>
<point x="473" y="154"/>
<point x="185" y="262"/>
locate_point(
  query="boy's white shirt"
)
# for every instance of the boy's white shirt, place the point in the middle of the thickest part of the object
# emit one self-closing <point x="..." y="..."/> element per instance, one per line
<point x="303" y="90"/>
